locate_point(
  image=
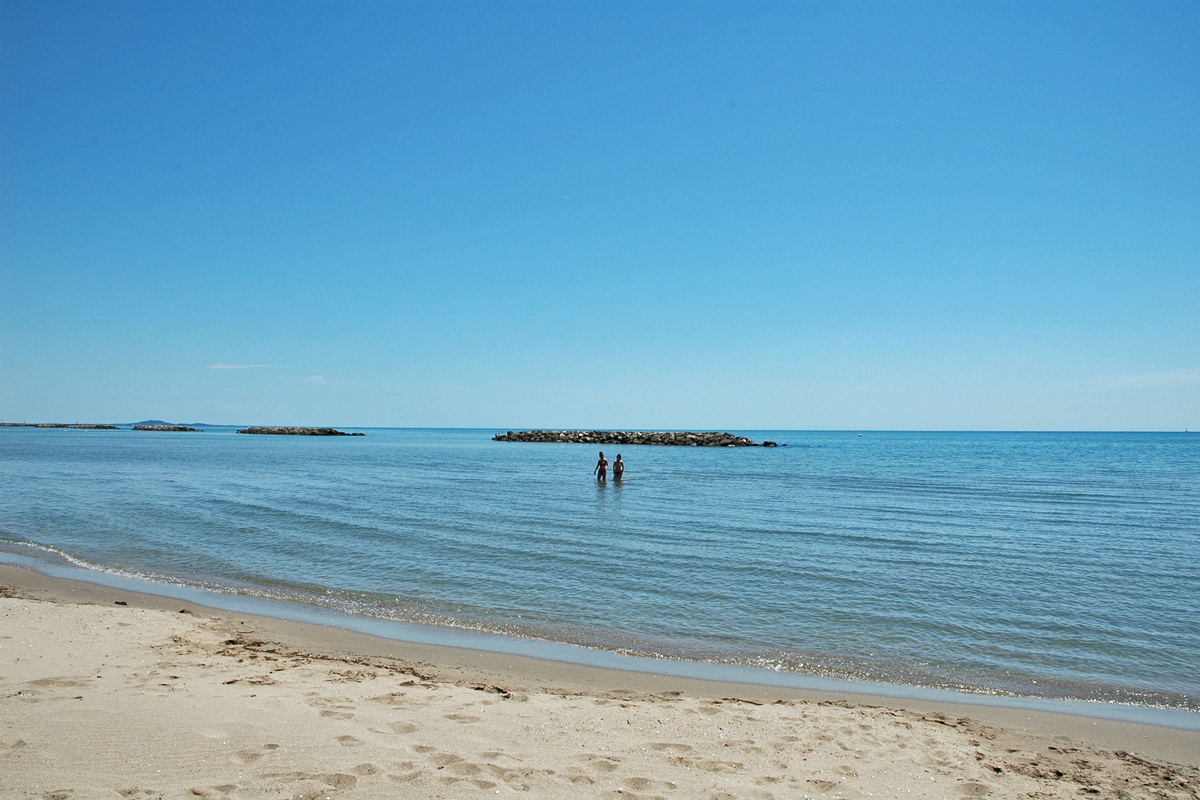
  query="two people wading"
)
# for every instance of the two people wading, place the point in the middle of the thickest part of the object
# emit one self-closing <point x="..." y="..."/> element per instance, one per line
<point x="601" y="470"/>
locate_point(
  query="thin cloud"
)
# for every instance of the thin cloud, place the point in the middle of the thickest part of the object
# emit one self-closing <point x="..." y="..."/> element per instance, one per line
<point x="315" y="379"/>
<point x="1150" y="380"/>
<point x="240" y="366"/>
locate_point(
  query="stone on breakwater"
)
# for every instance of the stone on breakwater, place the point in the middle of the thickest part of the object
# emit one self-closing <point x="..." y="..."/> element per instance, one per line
<point x="677" y="438"/>
<point x="162" y="428"/>
<point x="297" y="431"/>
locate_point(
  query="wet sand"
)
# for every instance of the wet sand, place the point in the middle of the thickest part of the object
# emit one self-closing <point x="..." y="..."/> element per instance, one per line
<point x="110" y="693"/>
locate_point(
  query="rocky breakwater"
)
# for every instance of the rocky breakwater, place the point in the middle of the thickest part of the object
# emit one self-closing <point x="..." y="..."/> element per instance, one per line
<point x="162" y="428"/>
<point x="297" y="431"/>
<point x="678" y="438"/>
<point x="95" y="427"/>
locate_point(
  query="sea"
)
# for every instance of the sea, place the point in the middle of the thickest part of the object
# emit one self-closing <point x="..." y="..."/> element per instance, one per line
<point x="1022" y="565"/>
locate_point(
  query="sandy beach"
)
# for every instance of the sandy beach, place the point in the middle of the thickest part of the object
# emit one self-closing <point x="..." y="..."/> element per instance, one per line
<point x="110" y="694"/>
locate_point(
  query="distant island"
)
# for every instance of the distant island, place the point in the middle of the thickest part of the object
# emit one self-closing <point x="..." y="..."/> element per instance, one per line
<point x="196" y="425"/>
<point x="77" y="427"/>
<point x="677" y="438"/>
<point x="298" y="431"/>
<point x="162" y="426"/>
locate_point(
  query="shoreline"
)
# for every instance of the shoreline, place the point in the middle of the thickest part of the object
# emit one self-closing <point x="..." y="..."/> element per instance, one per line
<point x="460" y="638"/>
<point x="453" y="663"/>
<point x="107" y="690"/>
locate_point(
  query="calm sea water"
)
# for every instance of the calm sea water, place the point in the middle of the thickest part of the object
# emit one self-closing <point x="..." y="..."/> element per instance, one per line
<point x="1045" y="564"/>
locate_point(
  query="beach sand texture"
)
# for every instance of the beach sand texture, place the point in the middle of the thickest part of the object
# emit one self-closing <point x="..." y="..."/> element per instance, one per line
<point x="99" y="700"/>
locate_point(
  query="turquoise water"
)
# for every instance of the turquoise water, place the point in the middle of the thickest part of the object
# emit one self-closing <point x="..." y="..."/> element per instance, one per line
<point x="1041" y="564"/>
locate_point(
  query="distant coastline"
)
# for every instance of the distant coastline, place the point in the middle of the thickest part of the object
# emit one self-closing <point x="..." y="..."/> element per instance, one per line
<point x="77" y="426"/>
<point x="162" y="426"/>
<point x="146" y="424"/>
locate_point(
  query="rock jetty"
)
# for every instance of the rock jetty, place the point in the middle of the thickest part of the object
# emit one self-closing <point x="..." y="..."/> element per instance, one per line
<point x="95" y="427"/>
<point x="298" y="431"/>
<point x="678" y="438"/>
<point x="162" y="428"/>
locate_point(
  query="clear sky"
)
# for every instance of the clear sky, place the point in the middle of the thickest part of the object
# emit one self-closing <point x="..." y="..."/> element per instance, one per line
<point x="602" y="214"/>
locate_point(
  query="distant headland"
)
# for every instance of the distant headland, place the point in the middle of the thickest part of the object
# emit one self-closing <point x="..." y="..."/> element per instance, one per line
<point x="297" y="431"/>
<point x="677" y="438"/>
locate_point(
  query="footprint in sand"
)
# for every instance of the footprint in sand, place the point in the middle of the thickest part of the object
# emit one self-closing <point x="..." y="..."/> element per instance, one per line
<point x="601" y="763"/>
<point x="456" y="765"/>
<point x="348" y="741"/>
<point x="670" y="747"/>
<point x="974" y="789"/>
<point x="465" y="719"/>
<point x="579" y="779"/>
<point x="647" y="784"/>
<point x="403" y="727"/>
<point x="317" y="787"/>
<point x="334" y="707"/>
<point x="252" y="754"/>
<point x="337" y="780"/>
<point x="407" y="777"/>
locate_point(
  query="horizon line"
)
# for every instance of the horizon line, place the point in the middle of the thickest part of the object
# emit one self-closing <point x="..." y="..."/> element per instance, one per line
<point x="1186" y="429"/>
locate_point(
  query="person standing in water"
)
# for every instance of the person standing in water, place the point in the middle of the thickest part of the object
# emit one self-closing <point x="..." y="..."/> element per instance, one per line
<point x="601" y="470"/>
<point x="618" y="468"/>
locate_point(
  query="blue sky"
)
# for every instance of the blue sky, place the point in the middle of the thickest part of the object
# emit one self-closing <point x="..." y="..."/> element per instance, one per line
<point x="644" y="215"/>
